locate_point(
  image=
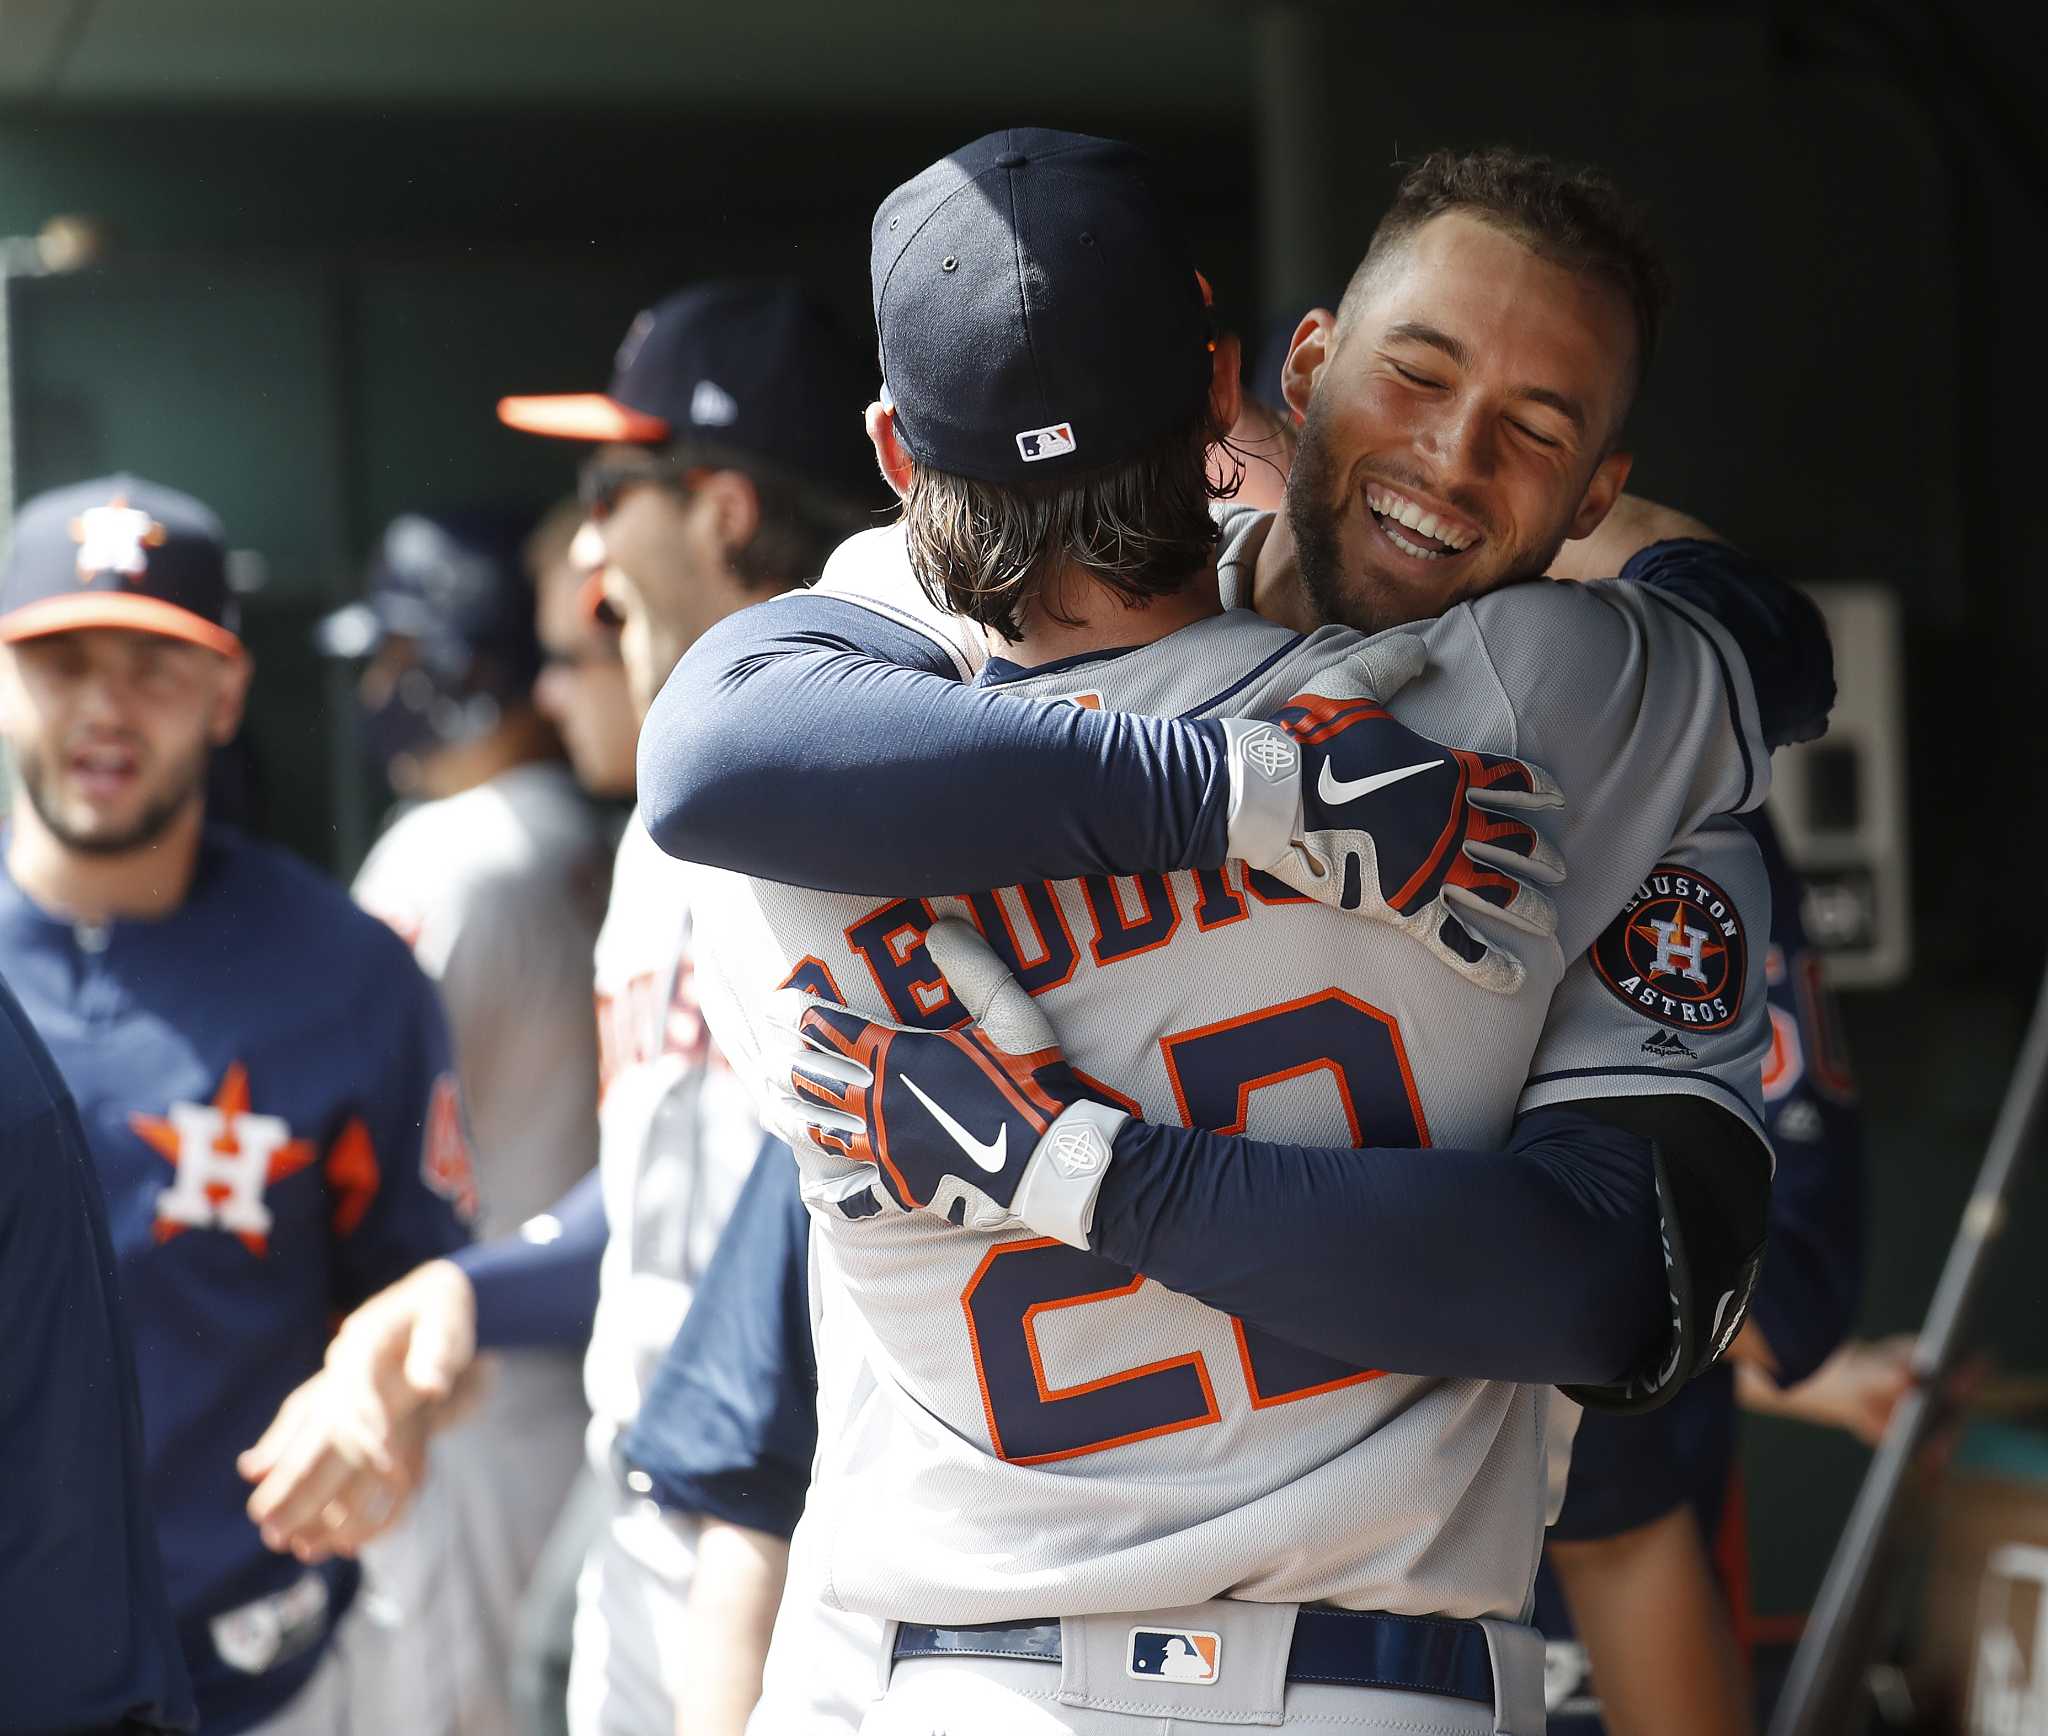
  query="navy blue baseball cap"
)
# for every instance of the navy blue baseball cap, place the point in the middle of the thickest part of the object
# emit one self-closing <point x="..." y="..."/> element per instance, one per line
<point x="757" y="366"/>
<point x="1037" y="304"/>
<point x="118" y="552"/>
<point x="456" y="584"/>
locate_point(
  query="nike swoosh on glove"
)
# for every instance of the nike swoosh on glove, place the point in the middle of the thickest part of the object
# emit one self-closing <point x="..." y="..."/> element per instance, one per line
<point x="1335" y="796"/>
<point x="984" y="1125"/>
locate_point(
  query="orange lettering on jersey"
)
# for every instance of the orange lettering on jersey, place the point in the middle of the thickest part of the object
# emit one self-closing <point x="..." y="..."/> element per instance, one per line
<point x="225" y="1156"/>
<point x="1119" y="934"/>
<point x="1049" y="958"/>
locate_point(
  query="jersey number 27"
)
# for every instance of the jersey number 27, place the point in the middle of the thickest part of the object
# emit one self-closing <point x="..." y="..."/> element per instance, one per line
<point x="1214" y="1071"/>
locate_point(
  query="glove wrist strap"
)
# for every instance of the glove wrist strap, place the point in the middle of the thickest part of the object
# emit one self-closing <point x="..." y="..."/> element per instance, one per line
<point x="1056" y="1196"/>
<point x="1265" y="791"/>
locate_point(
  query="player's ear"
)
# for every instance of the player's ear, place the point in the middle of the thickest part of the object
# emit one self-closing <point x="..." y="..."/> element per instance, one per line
<point x="1314" y="342"/>
<point x="1226" y="383"/>
<point x="230" y="698"/>
<point x="890" y="453"/>
<point x="1609" y="478"/>
<point x="735" y="507"/>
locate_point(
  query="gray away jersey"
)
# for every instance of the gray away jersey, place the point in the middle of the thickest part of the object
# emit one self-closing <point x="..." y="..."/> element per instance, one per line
<point x="1031" y="1430"/>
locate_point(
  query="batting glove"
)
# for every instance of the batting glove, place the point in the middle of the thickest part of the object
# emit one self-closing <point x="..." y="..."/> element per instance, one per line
<point x="1334" y="796"/>
<point x="985" y="1126"/>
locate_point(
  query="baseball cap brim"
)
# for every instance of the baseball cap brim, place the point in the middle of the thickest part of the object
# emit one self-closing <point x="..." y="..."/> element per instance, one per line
<point x="582" y="416"/>
<point x="126" y="611"/>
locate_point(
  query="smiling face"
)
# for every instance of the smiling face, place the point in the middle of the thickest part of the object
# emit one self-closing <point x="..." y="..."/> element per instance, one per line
<point x="1461" y="415"/>
<point x="110" y="731"/>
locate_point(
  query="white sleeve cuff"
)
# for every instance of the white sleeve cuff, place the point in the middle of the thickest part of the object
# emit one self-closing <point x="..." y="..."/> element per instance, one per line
<point x="1057" y="1195"/>
<point x="1265" y="791"/>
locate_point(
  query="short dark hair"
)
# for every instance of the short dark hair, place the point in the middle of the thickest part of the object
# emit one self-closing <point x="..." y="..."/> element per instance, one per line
<point x="1568" y="213"/>
<point x="800" y="523"/>
<point x="1141" y="528"/>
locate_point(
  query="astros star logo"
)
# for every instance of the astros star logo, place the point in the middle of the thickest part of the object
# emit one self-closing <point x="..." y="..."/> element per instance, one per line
<point x="115" y="538"/>
<point x="225" y="1157"/>
<point x="1679" y="951"/>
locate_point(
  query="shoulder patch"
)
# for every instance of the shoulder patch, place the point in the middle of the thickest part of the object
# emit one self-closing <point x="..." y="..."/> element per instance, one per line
<point x="1678" y="953"/>
<point x="445" y="1163"/>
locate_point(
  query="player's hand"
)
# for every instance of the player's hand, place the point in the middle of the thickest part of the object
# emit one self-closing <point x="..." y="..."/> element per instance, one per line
<point x="1856" y="1389"/>
<point x="320" y="1492"/>
<point x="394" y="1370"/>
<point x="986" y="1125"/>
<point x="1342" y="802"/>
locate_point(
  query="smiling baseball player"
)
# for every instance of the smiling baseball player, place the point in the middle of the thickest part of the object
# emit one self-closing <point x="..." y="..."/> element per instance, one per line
<point x="263" y="1073"/>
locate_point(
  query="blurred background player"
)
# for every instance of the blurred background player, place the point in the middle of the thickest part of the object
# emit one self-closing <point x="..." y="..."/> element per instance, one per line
<point x="86" y="1641"/>
<point x="728" y="463"/>
<point x="581" y="688"/>
<point x="494" y="871"/>
<point x="263" y="1073"/>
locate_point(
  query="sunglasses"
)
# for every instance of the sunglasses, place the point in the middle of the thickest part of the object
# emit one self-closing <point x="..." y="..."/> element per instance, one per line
<point x="607" y="475"/>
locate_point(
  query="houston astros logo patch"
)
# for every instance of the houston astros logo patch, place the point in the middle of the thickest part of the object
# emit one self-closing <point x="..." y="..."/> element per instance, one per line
<point x="1174" y="1655"/>
<point x="1678" y="952"/>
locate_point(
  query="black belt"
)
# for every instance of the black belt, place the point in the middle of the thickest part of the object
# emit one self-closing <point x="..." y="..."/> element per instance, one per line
<point x="1415" y="1654"/>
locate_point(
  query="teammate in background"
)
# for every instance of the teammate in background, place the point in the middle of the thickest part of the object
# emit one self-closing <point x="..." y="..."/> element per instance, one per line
<point x="727" y="467"/>
<point x="1071" y="1483"/>
<point x="494" y="873"/>
<point x="86" y="1639"/>
<point x="263" y="1073"/>
<point x="581" y="688"/>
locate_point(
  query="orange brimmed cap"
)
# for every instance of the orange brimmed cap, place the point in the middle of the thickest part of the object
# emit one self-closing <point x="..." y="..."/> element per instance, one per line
<point x="118" y="552"/>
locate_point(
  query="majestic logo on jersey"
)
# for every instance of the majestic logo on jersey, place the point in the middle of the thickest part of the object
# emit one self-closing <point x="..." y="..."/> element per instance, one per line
<point x="1677" y="953"/>
<point x="1668" y="1046"/>
<point x="225" y="1157"/>
<point x="115" y="538"/>
<point x="1174" y="1655"/>
<point x="1039" y="443"/>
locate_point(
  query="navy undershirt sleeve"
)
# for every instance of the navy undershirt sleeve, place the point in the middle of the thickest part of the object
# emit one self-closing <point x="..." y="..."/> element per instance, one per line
<point x="1540" y="1264"/>
<point x="1778" y="628"/>
<point x="1629" y="1470"/>
<point x="540" y="1295"/>
<point x="730" y="1422"/>
<point x="812" y="741"/>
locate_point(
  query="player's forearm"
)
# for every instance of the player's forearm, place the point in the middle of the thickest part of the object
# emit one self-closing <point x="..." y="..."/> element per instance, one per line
<point x="538" y="1290"/>
<point x="1677" y="1674"/>
<point x="815" y="742"/>
<point x="1540" y="1264"/>
<point x="1632" y="526"/>
<point x="733" y="1599"/>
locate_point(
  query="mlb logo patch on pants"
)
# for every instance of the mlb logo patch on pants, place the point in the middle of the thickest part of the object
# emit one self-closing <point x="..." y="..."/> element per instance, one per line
<point x="1174" y="1655"/>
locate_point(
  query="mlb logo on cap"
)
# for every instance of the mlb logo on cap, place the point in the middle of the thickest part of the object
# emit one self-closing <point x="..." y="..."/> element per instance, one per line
<point x="1174" y="1655"/>
<point x="1037" y="443"/>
